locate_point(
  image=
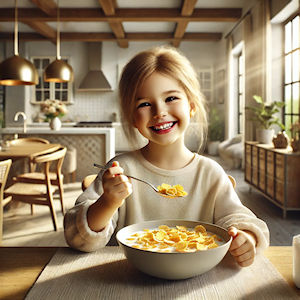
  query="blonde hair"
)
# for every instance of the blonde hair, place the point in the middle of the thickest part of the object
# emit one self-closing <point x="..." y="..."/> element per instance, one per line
<point x="167" y="61"/>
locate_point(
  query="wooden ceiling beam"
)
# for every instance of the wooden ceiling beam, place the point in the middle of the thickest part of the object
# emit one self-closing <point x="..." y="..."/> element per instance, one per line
<point x="108" y="6"/>
<point x="49" y="7"/>
<point x="124" y="15"/>
<point x="104" y="36"/>
<point x="43" y="29"/>
<point x="186" y="10"/>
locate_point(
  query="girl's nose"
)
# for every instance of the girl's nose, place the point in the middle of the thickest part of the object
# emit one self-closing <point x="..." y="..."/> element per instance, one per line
<point x="159" y="112"/>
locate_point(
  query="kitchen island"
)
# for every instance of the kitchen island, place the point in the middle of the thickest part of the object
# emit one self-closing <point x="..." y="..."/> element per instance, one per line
<point x="92" y="144"/>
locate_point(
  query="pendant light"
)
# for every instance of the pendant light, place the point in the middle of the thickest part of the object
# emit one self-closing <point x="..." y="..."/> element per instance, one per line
<point x="16" y="70"/>
<point x="58" y="70"/>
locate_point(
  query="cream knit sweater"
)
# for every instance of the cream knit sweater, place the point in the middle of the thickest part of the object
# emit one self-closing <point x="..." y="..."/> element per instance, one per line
<point x="211" y="198"/>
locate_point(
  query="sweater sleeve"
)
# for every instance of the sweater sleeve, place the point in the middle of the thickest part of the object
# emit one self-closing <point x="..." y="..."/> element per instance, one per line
<point x="231" y="212"/>
<point x="78" y="235"/>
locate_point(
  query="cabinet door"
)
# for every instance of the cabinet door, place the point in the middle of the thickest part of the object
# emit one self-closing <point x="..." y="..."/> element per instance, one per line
<point x="255" y="165"/>
<point x="262" y="169"/>
<point x="270" y="173"/>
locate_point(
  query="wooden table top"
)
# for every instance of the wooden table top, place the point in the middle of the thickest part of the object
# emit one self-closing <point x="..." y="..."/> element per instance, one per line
<point x="30" y="150"/>
<point x="21" y="266"/>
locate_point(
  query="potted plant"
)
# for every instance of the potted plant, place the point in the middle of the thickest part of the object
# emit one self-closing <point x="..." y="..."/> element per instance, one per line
<point x="265" y="116"/>
<point x="215" y="131"/>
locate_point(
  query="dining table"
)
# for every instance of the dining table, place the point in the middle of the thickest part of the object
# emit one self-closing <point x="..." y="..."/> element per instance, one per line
<point x="26" y="150"/>
<point x="64" y="273"/>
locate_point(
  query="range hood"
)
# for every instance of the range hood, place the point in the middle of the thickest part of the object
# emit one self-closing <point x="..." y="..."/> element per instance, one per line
<point x="94" y="80"/>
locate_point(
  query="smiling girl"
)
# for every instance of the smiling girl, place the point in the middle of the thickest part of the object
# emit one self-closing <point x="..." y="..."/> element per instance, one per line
<point x="159" y="94"/>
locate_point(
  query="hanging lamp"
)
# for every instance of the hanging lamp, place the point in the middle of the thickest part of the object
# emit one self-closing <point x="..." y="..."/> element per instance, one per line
<point x="58" y="70"/>
<point x="16" y="70"/>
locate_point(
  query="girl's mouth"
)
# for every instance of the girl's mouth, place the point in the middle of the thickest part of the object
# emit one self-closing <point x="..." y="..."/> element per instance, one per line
<point x="163" y="127"/>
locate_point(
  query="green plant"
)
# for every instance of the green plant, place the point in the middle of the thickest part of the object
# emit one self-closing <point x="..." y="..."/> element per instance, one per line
<point x="216" y="126"/>
<point x="264" y="114"/>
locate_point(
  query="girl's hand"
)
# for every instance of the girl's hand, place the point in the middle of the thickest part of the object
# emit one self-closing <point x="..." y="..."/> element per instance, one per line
<point x="116" y="187"/>
<point x="242" y="247"/>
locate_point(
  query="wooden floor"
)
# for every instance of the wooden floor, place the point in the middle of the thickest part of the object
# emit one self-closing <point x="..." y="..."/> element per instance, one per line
<point x="22" y="229"/>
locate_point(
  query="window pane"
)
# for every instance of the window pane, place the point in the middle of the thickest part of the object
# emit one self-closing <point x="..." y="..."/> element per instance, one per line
<point x="46" y="95"/>
<point x="65" y="85"/>
<point x="288" y="123"/>
<point x="295" y="98"/>
<point x="36" y="63"/>
<point x="288" y="68"/>
<point x="45" y="63"/>
<point x="38" y="96"/>
<point x="288" y="37"/>
<point x="296" y="33"/>
<point x="287" y="100"/>
<point x="296" y="66"/>
<point x="57" y="95"/>
<point x="57" y="85"/>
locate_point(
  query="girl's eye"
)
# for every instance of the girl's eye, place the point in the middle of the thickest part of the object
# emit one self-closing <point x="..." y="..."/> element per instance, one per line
<point x="171" y="98"/>
<point x="143" y="104"/>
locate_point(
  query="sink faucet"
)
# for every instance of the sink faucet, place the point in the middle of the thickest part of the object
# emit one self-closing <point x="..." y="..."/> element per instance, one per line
<point x="20" y="113"/>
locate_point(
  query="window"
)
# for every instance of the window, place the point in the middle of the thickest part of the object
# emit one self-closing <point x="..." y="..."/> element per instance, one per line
<point x="240" y="93"/>
<point x="291" y="72"/>
<point x="49" y="90"/>
<point x="206" y="81"/>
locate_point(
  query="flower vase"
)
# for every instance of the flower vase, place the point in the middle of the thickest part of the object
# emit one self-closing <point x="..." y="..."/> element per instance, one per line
<point x="55" y="123"/>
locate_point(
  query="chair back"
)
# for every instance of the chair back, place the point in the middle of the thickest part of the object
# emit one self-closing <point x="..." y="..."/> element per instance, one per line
<point x="56" y="156"/>
<point x="4" y="170"/>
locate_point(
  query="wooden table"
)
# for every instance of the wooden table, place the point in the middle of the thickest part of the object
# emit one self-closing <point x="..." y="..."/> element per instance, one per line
<point x="30" y="150"/>
<point x="21" y="266"/>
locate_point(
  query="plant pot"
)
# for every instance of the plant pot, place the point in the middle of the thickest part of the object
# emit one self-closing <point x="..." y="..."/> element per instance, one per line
<point x="55" y="124"/>
<point x="264" y="136"/>
<point x="213" y="148"/>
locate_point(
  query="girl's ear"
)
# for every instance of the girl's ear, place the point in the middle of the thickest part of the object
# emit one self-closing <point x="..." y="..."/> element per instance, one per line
<point x="192" y="109"/>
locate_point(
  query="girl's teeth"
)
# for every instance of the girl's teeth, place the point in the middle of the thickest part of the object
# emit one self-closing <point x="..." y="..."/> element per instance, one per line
<point x="164" y="126"/>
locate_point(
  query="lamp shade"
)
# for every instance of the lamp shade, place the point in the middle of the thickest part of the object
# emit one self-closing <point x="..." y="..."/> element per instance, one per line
<point x="58" y="71"/>
<point x="16" y="70"/>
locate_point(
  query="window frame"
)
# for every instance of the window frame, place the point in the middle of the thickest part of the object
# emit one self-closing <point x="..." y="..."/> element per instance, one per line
<point x="53" y="88"/>
<point x="293" y="116"/>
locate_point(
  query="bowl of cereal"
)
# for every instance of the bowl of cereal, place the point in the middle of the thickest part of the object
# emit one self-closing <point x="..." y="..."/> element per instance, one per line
<point x="174" y="249"/>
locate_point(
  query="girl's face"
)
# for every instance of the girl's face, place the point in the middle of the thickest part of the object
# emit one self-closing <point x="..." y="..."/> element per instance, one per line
<point x="162" y="110"/>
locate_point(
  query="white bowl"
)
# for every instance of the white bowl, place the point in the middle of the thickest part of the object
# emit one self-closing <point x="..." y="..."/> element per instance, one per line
<point x="173" y="265"/>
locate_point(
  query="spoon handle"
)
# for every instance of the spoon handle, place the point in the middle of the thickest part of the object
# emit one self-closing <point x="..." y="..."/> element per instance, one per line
<point x="138" y="179"/>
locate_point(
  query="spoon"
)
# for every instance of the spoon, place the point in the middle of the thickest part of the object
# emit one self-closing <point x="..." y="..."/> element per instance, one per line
<point x="141" y="180"/>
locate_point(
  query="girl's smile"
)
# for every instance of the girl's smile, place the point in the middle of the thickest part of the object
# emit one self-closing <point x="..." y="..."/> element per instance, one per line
<point x="163" y="128"/>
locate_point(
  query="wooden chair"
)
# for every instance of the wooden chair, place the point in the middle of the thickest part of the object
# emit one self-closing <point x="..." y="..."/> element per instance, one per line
<point x="40" y="191"/>
<point x="87" y="181"/>
<point x="4" y="170"/>
<point x="232" y="181"/>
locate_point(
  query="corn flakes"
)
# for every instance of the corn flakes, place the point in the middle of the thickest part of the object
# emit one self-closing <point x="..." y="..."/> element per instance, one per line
<point x="175" y="190"/>
<point x="177" y="239"/>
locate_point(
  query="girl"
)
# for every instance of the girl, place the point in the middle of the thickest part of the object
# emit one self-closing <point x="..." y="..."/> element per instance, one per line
<point x="159" y="93"/>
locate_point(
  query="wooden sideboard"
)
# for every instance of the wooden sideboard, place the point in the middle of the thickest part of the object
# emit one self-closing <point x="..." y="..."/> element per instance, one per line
<point x="275" y="173"/>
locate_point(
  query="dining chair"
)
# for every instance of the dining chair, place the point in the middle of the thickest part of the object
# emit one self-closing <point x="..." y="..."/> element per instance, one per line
<point x="4" y="170"/>
<point x="86" y="182"/>
<point x="40" y="191"/>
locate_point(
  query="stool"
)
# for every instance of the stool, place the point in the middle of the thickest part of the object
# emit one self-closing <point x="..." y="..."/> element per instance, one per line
<point x="70" y="165"/>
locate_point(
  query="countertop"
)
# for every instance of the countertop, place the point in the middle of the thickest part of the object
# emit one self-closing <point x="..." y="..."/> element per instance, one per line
<point x="63" y="130"/>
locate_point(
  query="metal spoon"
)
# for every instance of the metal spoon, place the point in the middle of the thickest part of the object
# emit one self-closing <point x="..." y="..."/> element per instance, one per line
<point x="141" y="180"/>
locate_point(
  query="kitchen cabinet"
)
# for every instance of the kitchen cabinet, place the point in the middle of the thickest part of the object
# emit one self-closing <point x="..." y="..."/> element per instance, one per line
<point x="275" y="173"/>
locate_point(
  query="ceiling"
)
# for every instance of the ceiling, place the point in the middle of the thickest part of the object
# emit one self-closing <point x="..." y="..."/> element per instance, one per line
<point x="122" y="21"/>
